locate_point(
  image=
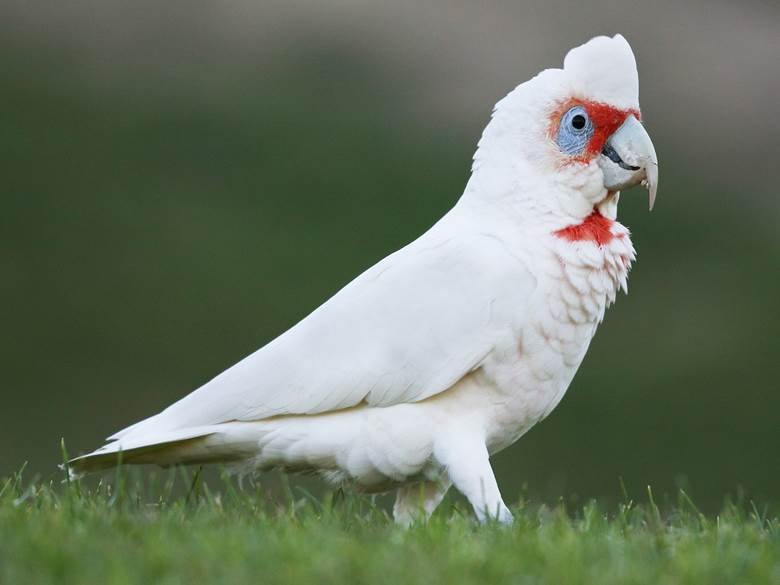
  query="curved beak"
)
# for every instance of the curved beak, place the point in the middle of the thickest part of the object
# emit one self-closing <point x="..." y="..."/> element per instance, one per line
<point x="629" y="158"/>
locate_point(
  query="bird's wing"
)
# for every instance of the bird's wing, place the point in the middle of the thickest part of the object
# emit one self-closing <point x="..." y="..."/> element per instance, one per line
<point x="404" y="330"/>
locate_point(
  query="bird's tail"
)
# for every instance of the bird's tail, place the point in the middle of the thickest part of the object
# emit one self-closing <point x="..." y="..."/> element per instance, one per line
<point x="182" y="446"/>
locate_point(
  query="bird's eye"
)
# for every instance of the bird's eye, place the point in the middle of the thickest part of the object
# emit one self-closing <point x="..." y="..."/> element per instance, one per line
<point x="574" y="131"/>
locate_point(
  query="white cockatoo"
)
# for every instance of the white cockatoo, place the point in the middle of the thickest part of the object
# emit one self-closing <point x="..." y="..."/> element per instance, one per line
<point x="448" y="350"/>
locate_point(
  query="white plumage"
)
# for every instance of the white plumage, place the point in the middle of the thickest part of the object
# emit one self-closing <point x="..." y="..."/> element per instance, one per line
<point x="451" y="348"/>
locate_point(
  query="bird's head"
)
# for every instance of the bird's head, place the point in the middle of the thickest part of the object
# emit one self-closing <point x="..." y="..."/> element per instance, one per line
<point x="568" y="140"/>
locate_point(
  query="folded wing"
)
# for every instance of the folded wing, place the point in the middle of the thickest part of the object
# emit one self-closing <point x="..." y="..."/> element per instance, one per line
<point x="406" y="329"/>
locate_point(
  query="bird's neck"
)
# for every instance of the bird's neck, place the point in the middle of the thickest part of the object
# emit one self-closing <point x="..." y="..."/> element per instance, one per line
<point x="594" y="228"/>
<point x="535" y="204"/>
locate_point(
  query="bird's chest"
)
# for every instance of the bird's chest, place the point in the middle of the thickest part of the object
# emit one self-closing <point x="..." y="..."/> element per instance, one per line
<point x="577" y="281"/>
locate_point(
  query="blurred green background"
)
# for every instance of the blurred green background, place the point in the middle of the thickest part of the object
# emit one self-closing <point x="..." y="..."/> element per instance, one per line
<point x="182" y="182"/>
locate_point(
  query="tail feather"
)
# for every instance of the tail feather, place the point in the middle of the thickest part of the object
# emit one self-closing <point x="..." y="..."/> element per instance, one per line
<point x="166" y="449"/>
<point x="226" y="442"/>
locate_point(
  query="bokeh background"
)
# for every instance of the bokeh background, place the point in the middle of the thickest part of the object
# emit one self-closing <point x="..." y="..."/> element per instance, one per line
<point x="182" y="181"/>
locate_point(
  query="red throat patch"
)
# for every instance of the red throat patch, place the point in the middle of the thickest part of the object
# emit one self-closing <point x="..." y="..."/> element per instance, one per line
<point x="594" y="228"/>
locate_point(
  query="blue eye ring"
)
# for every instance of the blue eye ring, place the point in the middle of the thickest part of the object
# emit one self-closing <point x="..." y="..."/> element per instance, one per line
<point x="574" y="131"/>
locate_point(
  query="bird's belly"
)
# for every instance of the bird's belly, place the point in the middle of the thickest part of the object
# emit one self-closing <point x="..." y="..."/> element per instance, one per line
<point x="377" y="448"/>
<point x="528" y="381"/>
<point x="368" y="448"/>
<point x="531" y="371"/>
<point x="519" y="383"/>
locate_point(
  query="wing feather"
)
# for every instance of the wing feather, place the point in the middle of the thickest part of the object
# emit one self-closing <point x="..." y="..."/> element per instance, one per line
<point x="406" y="329"/>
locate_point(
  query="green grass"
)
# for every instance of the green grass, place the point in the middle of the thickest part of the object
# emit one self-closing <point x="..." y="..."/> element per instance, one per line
<point x="128" y="531"/>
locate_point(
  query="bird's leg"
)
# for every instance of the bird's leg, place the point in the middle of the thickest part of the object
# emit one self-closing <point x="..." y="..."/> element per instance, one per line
<point x="417" y="501"/>
<point x="467" y="462"/>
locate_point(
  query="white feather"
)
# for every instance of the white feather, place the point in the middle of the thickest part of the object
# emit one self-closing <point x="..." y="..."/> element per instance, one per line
<point x="444" y="352"/>
<point x="404" y="330"/>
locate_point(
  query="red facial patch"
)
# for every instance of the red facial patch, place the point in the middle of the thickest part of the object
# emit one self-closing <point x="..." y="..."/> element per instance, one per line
<point x="594" y="228"/>
<point x="606" y="120"/>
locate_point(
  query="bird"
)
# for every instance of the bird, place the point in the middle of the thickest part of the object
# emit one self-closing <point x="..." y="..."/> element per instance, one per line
<point x="418" y="371"/>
